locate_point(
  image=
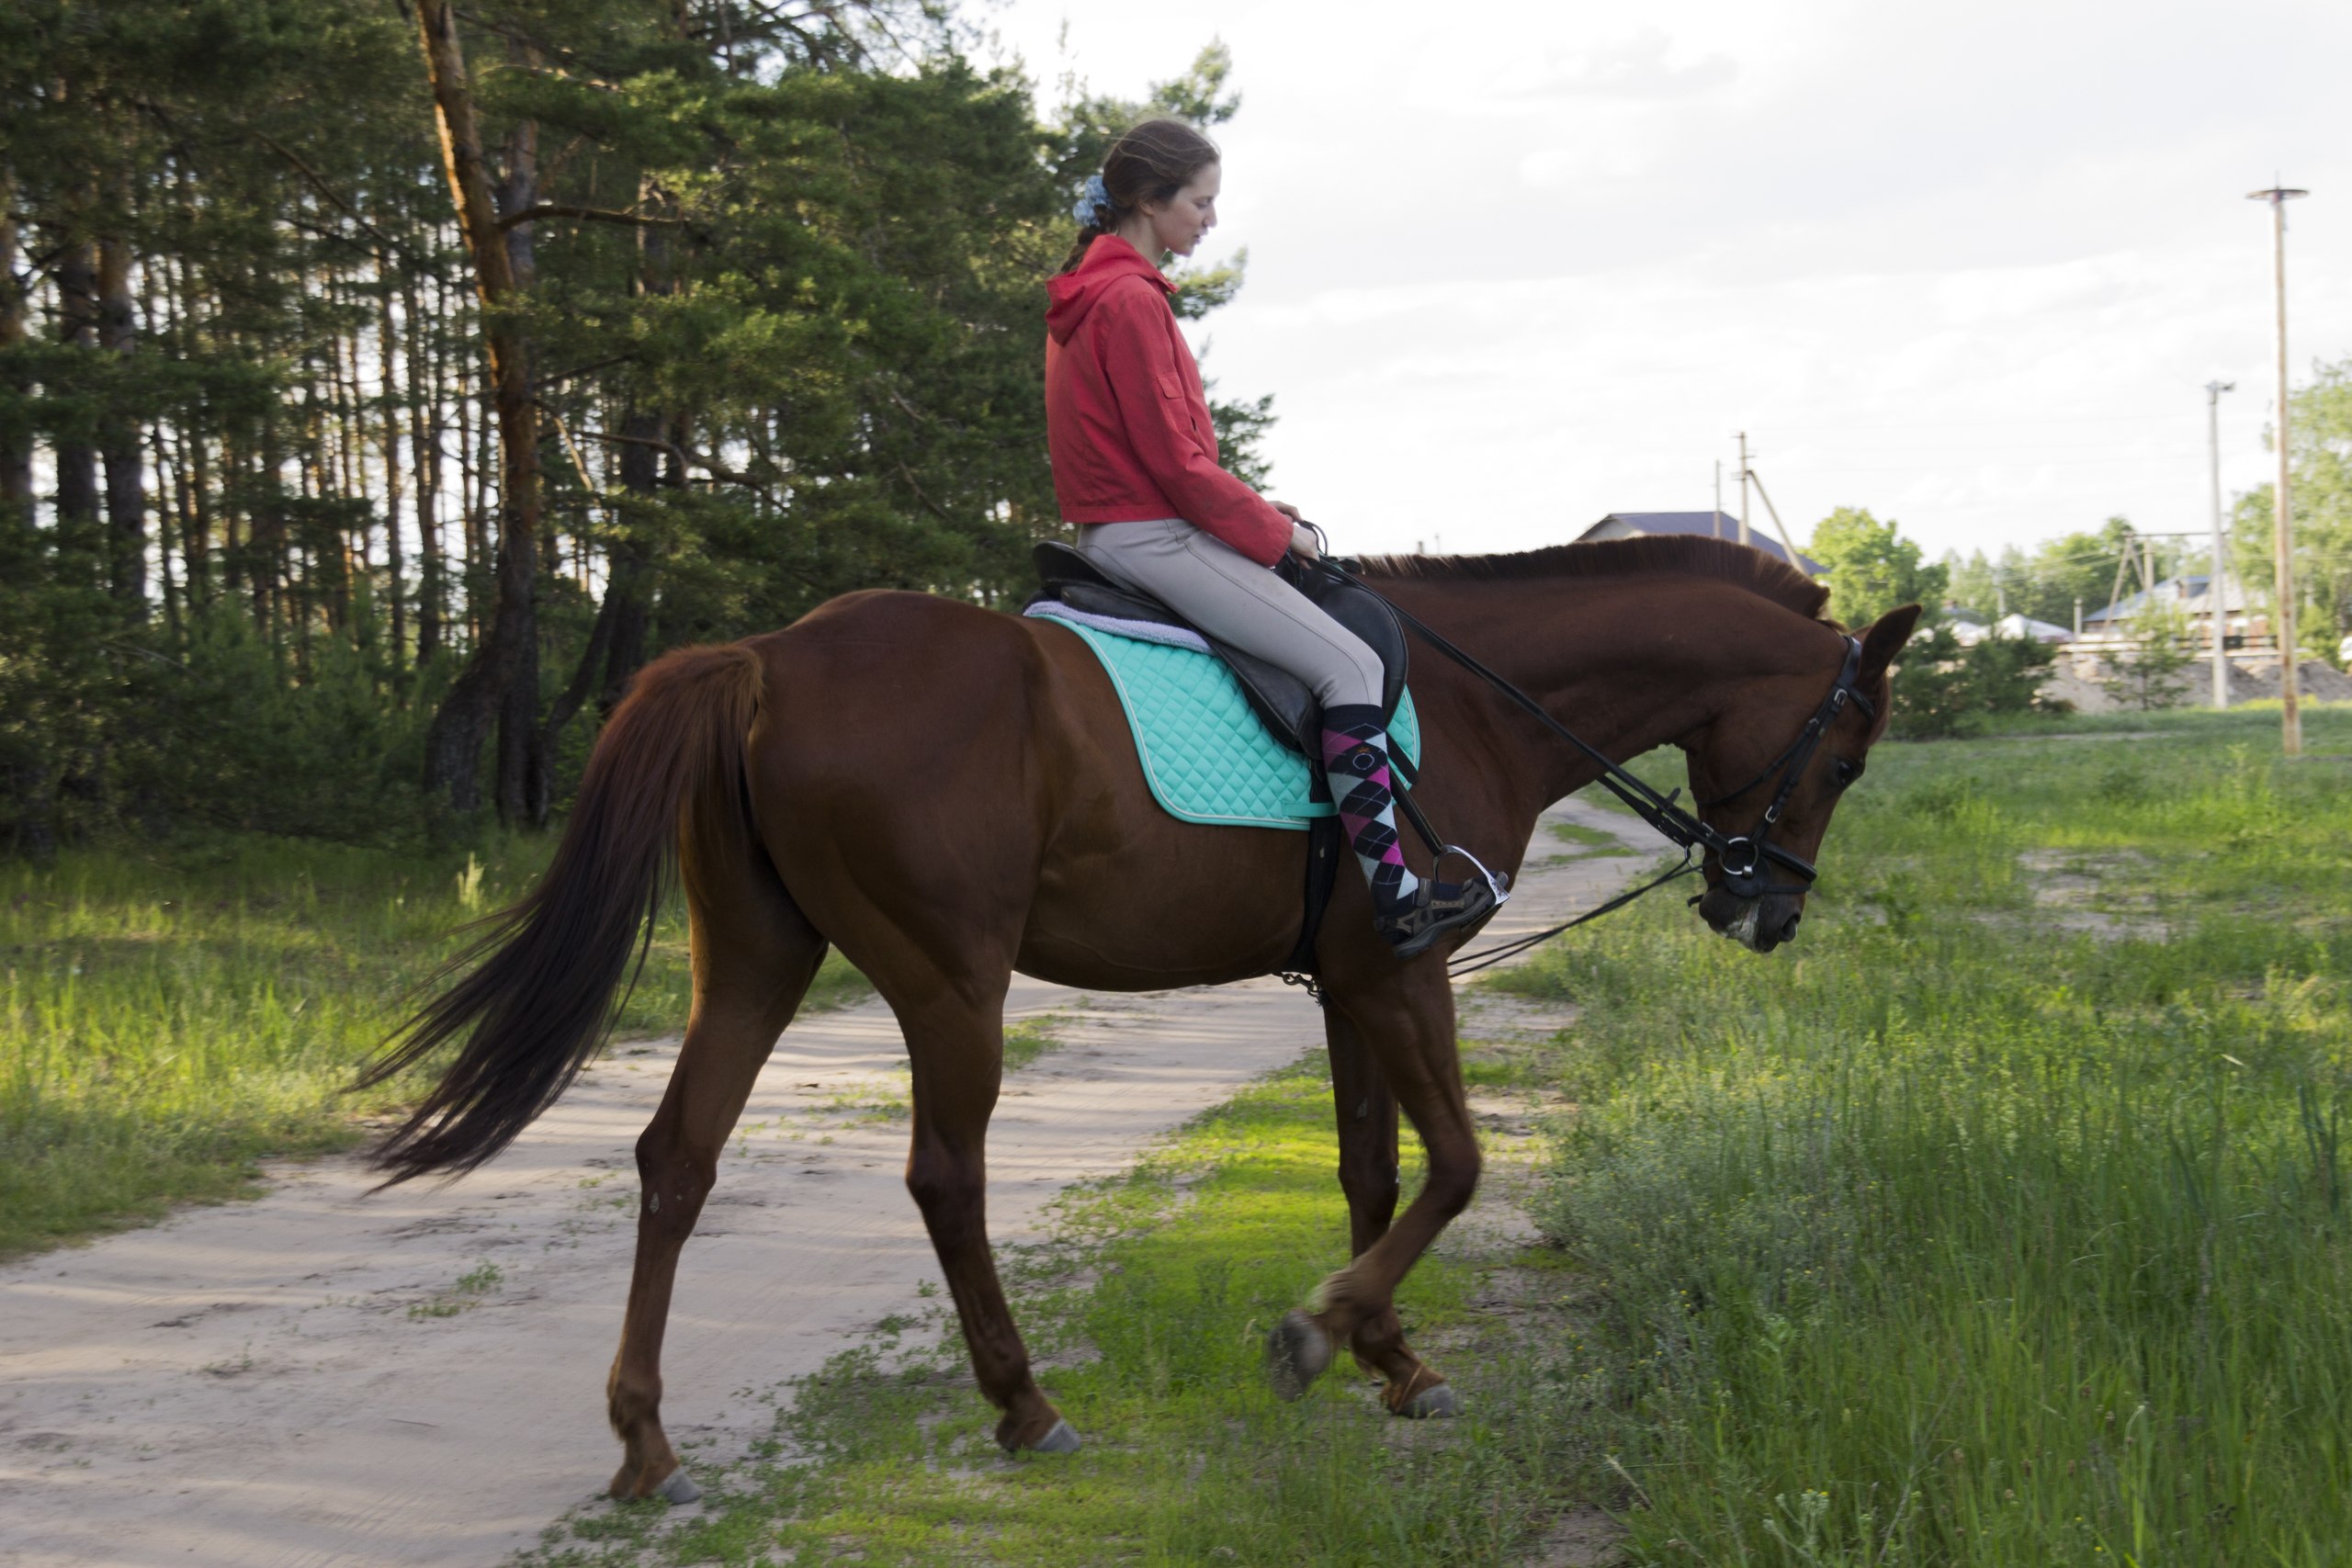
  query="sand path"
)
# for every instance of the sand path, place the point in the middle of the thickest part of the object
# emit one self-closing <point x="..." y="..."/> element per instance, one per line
<point x="321" y="1377"/>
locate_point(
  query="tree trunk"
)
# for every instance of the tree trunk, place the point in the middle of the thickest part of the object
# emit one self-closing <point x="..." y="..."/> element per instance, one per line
<point x="196" y="541"/>
<point x="395" y="562"/>
<point x="77" y="460"/>
<point x="16" y="437"/>
<point x="501" y="660"/>
<point x="171" y="518"/>
<point x="119" y="440"/>
<point x="627" y="596"/>
<point x="235" y="531"/>
<point x="425" y="443"/>
<point x="525" y="766"/>
<point x="574" y="694"/>
<point x="266" y="540"/>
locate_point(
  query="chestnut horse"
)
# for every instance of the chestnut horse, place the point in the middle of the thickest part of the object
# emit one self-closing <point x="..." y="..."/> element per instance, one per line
<point x="948" y="794"/>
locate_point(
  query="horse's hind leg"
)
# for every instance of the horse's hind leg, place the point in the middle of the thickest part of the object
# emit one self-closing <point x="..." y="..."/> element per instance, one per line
<point x="1368" y="1176"/>
<point x="956" y="1047"/>
<point x="1406" y="1020"/>
<point x="754" y="954"/>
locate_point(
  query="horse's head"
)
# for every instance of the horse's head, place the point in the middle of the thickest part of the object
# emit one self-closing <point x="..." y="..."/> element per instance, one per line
<point x="1768" y="788"/>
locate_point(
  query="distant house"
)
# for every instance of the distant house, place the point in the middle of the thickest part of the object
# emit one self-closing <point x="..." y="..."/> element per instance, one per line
<point x="1971" y="632"/>
<point x="1704" y="525"/>
<point x="2188" y="594"/>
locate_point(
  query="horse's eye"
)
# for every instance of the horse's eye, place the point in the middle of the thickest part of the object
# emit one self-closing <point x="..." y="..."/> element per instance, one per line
<point x="1846" y="772"/>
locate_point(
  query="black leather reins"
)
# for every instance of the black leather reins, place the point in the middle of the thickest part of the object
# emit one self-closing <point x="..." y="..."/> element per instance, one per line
<point x="1740" y="858"/>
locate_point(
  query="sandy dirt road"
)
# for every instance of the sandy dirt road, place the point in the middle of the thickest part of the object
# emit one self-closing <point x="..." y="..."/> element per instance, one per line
<point x="322" y="1377"/>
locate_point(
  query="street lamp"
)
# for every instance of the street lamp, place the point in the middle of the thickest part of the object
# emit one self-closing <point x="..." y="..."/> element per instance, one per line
<point x="2291" y="718"/>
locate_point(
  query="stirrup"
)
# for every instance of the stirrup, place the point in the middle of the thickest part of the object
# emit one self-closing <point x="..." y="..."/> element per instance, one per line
<point x="1444" y="909"/>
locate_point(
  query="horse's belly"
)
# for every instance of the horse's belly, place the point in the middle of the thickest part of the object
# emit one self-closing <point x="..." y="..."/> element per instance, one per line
<point x="1197" y="906"/>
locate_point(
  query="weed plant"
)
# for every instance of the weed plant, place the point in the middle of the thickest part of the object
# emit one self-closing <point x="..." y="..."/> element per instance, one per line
<point x="2003" y="1218"/>
<point x="168" y="1018"/>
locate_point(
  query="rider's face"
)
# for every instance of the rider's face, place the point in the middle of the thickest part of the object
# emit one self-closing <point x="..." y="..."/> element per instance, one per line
<point x="1178" y="223"/>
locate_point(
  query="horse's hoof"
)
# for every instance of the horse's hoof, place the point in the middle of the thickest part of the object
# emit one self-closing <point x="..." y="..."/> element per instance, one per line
<point x="1062" y="1440"/>
<point x="1296" y="1353"/>
<point x="678" y="1488"/>
<point x="1436" y="1401"/>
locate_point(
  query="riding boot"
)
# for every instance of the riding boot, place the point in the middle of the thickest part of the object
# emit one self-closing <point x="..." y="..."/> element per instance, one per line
<point x="1411" y="913"/>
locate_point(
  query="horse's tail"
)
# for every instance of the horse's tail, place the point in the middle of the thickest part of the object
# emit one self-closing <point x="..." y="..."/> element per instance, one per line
<point x="547" y="974"/>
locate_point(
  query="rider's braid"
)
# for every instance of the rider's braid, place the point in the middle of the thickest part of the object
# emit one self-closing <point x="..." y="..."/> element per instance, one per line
<point x="1151" y="161"/>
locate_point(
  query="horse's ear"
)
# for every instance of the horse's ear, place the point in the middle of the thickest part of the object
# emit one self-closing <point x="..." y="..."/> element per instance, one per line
<point x="1885" y="637"/>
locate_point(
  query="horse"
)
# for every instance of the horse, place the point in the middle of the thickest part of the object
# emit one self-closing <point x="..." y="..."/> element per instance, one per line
<point x="948" y="794"/>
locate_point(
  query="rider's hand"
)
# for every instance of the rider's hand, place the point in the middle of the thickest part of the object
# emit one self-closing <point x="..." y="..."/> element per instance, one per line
<point x="1286" y="508"/>
<point x="1302" y="542"/>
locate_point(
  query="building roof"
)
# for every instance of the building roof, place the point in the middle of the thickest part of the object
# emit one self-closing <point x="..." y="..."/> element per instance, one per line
<point x="1704" y="524"/>
<point x="2018" y="624"/>
<point x="2186" y="592"/>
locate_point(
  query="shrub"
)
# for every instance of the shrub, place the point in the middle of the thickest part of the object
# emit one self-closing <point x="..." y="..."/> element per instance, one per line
<point x="1945" y="689"/>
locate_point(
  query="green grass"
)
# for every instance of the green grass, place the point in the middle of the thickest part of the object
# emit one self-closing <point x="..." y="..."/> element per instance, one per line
<point x="469" y="1291"/>
<point x="1028" y="1040"/>
<point x="2003" y="1218"/>
<point x="2256" y="721"/>
<point x="168" y="1018"/>
<point x="1591" y="843"/>
<point x="1146" y="1319"/>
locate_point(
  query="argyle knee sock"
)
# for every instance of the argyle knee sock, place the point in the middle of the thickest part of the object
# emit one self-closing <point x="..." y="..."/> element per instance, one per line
<point x="1355" y="763"/>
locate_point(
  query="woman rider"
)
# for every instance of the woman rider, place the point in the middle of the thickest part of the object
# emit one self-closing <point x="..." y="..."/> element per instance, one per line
<point x="1135" y="469"/>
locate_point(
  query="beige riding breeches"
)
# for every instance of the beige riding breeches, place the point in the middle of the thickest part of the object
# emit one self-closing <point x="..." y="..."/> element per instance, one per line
<point x="1238" y="602"/>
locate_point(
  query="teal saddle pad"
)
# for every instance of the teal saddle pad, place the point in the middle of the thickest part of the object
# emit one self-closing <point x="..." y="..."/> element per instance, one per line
<point x="1207" y="756"/>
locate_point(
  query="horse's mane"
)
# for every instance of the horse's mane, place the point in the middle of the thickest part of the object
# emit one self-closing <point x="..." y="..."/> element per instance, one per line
<point x="1649" y="554"/>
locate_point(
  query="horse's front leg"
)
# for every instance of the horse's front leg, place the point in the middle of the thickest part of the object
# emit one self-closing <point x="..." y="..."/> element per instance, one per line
<point x="1368" y="1176"/>
<point x="1367" y="1122"/>
<point x="1394" y="1035"/>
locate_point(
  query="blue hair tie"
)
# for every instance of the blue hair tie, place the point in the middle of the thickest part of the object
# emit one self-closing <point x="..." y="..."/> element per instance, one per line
<point x="1093" y="197"/>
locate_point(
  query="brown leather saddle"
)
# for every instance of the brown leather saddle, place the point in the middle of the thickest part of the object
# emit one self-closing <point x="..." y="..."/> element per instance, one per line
<point x="1280" y="700"/>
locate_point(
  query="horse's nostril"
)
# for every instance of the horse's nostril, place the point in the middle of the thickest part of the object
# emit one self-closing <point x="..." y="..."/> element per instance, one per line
<point x="1788" y="931"/>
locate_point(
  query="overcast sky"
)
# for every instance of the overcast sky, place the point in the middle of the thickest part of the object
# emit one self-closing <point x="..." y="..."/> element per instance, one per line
<point x="1516" y="265"/>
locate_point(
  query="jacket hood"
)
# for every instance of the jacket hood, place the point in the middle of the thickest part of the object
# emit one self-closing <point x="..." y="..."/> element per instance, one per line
<point x="1107" y="260"/>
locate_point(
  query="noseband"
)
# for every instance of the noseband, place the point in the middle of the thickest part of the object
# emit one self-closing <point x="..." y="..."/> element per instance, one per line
<point x="1741" y="859"/>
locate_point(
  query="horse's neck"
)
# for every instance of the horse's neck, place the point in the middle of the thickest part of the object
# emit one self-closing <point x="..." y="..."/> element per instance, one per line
<point x="1627" y="665"/>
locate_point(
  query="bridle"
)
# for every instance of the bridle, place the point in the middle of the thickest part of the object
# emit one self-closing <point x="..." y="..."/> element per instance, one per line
<point x="1742" y="860"/>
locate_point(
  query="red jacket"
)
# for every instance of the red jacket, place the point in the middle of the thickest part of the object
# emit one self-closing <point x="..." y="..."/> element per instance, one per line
<point x="1126" y="423"/>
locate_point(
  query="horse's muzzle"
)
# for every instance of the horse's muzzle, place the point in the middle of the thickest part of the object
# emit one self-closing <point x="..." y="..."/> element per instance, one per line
<point x="1759" y="925"/>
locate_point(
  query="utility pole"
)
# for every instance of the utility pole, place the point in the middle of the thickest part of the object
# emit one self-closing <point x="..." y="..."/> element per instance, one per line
<point x="1778" y="526"/>
<point x="2282" y="543"/>
<point x="2217" y="586"/>
<point x="1743" y="488"/>
<point x="2115" y="594"/>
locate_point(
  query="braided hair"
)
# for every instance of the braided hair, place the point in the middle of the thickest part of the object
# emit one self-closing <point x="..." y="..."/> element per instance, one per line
<point x="1150" y="161"/>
